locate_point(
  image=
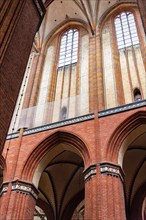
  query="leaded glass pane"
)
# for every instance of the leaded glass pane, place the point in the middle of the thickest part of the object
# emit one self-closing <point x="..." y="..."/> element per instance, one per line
<point x="126" y="30"/>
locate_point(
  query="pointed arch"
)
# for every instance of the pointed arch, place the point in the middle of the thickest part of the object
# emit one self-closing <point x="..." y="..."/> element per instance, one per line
<point x="48" y="144"/>
<point x="63" y="27"/>
<point x="121" y="132"/>
<point x="115" y="10"/>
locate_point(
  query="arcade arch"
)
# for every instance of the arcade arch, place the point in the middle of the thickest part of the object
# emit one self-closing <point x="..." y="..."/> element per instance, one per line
<point x="58" y="176"/>
<point x="132" y="158"/>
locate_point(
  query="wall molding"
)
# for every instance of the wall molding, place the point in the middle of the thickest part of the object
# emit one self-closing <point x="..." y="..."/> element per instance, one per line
<point x="79" y="119"/>
<point x="20" y="186"/>
<point x="53" y="125"/>
<point x="106" y="168"/>
<point x="122" y="108"/>
<point x="111" y="169"/>
<point x="90" y="172"/>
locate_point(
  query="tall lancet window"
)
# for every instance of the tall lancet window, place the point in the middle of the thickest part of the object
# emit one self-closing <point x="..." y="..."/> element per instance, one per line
<point x="126" y="30"/>
<point x="68" y="48"/>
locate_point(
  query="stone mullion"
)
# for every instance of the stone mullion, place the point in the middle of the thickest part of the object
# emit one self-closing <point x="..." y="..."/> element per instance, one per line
<point x="92" y="75"/>
<point x="116" y="66"/>
<point x="100" y="86"/>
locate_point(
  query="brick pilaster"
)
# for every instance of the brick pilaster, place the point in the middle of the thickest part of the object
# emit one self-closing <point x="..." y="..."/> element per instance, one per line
<point x="100" y="86"/>
<point x="116" y="64"/>
<point x="92" y="75"/>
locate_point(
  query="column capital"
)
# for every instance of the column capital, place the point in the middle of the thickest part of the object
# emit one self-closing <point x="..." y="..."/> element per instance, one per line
<point x="20" y="186"/>
<point x="106" y="168"/>
<point x="89" y="172"/>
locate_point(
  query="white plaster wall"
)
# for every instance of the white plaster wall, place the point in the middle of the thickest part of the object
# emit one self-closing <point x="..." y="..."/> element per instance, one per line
<point x="134" y="79"/>
<point x="72" y="99"/>
<point x="66" y="88"/>
<point x="44" y="86"/>
<point x="141" y="69"/>
<point x="84" y="75"/>
<point x="125" y="78"/>
<point x="108" y="71"/>
<point x="46" y="74"/>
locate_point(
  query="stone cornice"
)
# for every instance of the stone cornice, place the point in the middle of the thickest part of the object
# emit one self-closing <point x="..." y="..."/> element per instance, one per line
<point x="79" y="119"/>
<point x="53" y="125"/>
<point x="122" y="108"/>
<point x="20" y="186"/>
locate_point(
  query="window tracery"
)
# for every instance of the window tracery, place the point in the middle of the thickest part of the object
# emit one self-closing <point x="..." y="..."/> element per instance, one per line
<point x="126" y="30"/>
<point x="68" y="48"/>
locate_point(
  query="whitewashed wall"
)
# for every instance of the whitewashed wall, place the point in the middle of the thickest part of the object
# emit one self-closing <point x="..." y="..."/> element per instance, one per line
<point x="108" y="70"/>
<point x="44" y="86"/>
<point x="84" y="74"/>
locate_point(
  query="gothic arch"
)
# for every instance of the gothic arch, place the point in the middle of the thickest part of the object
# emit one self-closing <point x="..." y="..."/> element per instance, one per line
<point x="48" y="144"/>
<point x="121" y="133"/>
<point x="137" y="203"/>
<point x="62" y="27"/>
<point x="114" y="10"/>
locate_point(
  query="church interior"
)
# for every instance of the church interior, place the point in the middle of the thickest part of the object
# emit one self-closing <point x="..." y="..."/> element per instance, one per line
<point x="73" y="110"/>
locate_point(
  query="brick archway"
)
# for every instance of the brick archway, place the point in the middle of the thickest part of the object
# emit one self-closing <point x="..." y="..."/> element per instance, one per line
<point x="121" y="132"/>
<point x="137" y="203"/>
<point x="45" y="146"/>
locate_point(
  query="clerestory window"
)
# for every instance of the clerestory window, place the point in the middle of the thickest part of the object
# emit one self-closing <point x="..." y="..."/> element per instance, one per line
<point x="68" y="48"/>
<point x="126" y="30"/>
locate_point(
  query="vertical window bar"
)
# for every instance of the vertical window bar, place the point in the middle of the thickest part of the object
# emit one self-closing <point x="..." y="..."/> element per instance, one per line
<point x="66" y="56"/>
<point x="124" y="25"/>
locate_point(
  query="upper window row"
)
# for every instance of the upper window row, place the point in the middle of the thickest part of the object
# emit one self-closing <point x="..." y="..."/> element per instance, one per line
<point x="126" y="33"/>
<point x="126" y="30"/>
<point x="68" y="48"/>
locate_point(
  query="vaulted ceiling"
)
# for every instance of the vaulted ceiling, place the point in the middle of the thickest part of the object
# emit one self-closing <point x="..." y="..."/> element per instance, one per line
<point x="86" y="11"/>
<point x="135" y="167"/>
<point x="61" y="181"/>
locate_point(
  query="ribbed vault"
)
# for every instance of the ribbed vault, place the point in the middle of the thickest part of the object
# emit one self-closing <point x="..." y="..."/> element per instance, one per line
<point x="61" y="180"/>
